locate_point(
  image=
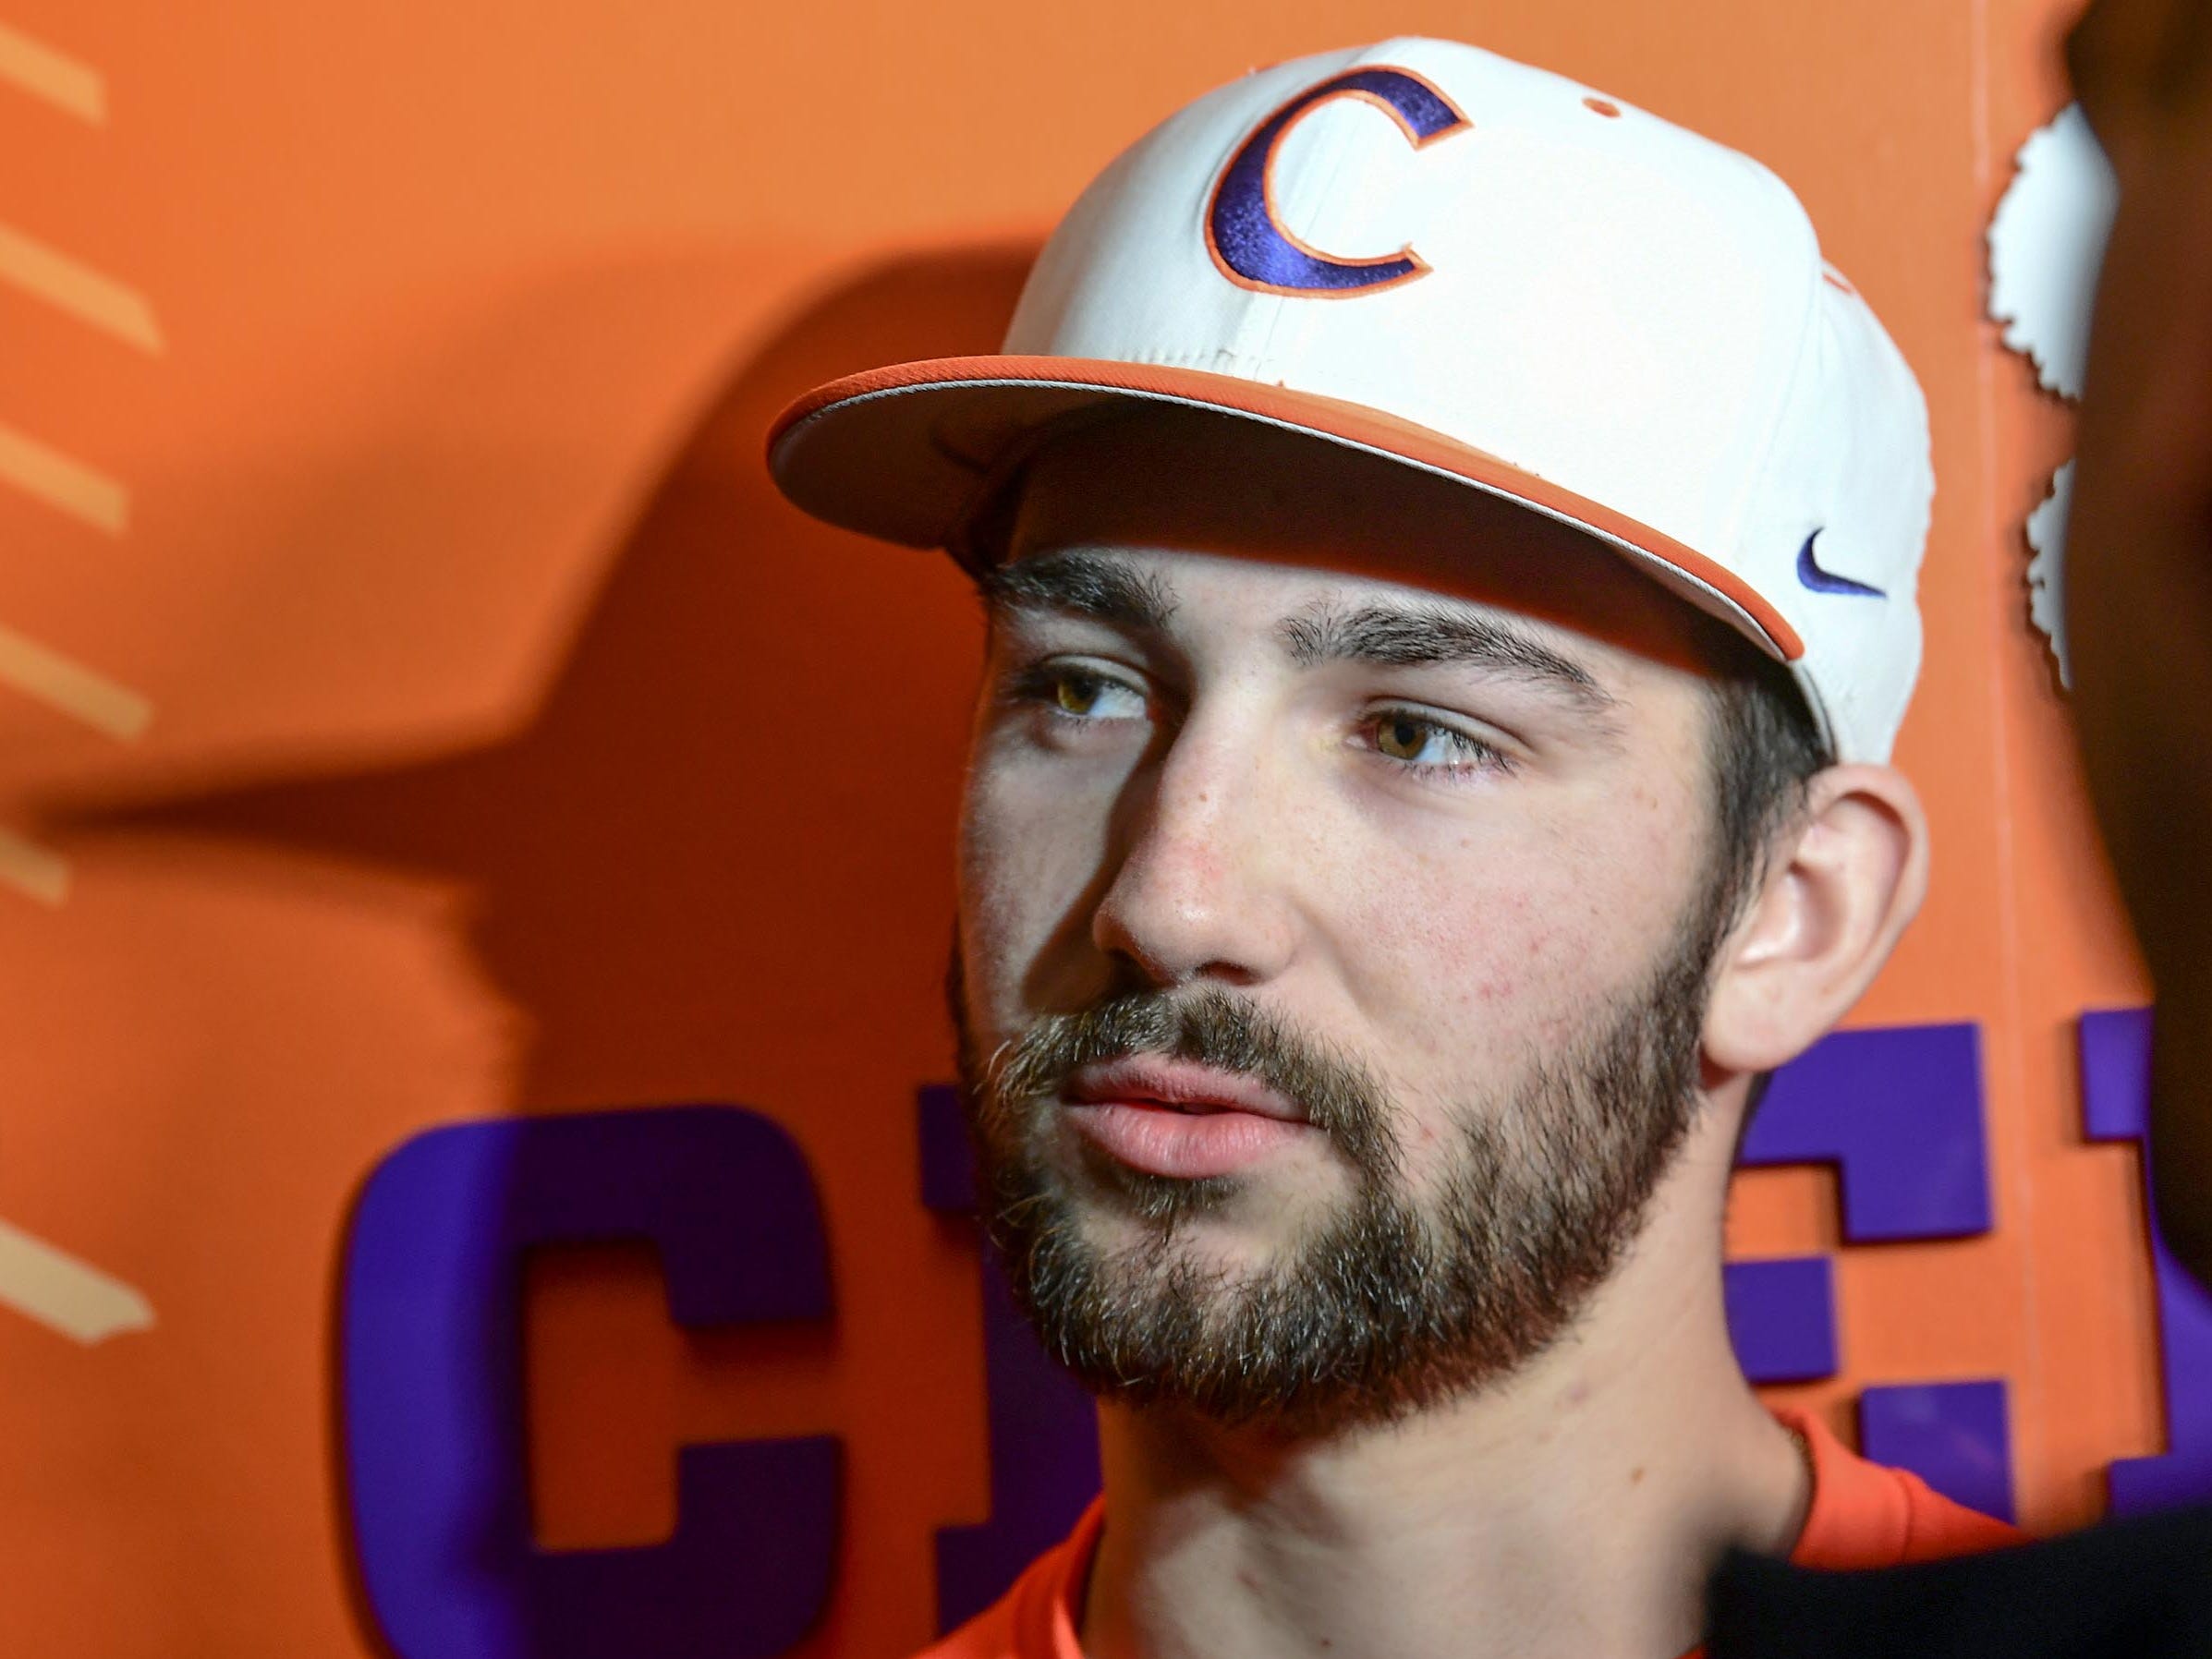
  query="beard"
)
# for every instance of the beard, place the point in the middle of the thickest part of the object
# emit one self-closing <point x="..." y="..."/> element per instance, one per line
<point x="1388" y="1302"/>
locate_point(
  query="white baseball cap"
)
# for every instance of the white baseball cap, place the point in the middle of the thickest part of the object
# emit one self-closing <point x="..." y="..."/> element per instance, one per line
<point x="1428" y="252"/>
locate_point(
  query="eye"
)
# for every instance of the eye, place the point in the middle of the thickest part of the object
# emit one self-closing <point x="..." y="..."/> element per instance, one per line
<point x="1076" y="693"/>
<point x="1421" y="744"/>
<point x="1402" y="737"/>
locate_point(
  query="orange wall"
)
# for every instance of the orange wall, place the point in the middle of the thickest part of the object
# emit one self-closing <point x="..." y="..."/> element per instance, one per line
<point x="474" y="732"/>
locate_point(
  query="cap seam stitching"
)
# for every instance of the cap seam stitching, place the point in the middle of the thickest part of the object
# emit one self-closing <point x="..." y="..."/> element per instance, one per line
<point x="1809" y="323"/>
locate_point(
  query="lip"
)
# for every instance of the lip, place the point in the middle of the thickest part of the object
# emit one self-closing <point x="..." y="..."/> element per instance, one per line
<point x="1174" y="1119"/>
<point x="1180" y="1084"/>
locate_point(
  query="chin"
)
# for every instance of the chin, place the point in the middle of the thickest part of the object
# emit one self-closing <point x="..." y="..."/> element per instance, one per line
<point x="1230" y="1225"/>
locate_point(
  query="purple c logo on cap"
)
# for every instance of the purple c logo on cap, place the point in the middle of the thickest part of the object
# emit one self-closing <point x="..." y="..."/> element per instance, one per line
<point x="1248" y="242"/>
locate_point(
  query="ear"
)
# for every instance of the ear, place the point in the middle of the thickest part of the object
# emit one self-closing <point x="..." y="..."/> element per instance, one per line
<point x="1837" y="891"/>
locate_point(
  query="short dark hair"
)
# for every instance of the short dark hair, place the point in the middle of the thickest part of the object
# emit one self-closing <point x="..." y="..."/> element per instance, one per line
<point x="1764" y="749"/>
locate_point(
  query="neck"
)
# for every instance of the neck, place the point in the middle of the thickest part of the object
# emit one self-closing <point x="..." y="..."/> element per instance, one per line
<point x="1575" y="1508"/>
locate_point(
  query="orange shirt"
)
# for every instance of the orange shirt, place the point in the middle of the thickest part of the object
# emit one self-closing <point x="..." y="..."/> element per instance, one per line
<point x="1862" y="1515"/>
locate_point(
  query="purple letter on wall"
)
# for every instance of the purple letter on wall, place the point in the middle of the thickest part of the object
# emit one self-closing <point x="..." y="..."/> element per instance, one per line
<point x="1899" y="1111"/>
<point x="1043" y="1430"/>
<point x="1953" y="1436"/>
<point x="2116" y="1106"/>
<point x="432" y="1369"/>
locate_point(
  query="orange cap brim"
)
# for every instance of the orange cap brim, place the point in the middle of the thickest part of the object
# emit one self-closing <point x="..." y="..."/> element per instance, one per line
<point x="908" y="453"/>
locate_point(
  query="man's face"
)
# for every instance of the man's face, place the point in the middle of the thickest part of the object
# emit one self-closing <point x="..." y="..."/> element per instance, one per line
<point x="1334" y="922"/>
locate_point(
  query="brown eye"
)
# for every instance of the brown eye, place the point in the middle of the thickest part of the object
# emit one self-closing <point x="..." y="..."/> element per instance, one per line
<point x="1079" y="695"/>
<point x="1431" y="748"/>
<point x="1402" y="737"/>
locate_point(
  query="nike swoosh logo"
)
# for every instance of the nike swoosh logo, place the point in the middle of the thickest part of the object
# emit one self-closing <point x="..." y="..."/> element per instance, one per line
<point x="1824" y="581"/>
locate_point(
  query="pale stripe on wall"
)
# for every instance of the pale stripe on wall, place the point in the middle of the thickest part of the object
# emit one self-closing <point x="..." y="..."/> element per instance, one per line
<point x="65" y="1293"/>
<point x="63" y="482"/>
<point x="74" y="286"/>
<point x="44" y="72"/>
<point x="41" y="671"/>
<point x="34" y="871"/>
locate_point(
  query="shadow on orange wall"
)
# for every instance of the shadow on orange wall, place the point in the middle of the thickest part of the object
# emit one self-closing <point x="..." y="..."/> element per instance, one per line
<point x="744" y="744"/>
<point x="713" y="864"/>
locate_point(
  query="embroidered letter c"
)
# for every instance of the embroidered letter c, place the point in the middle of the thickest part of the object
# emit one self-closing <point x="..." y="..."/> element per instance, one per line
<point x="1249" y="244"/>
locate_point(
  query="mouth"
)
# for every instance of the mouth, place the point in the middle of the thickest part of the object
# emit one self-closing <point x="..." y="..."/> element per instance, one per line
<point x="1179" y="1120"/>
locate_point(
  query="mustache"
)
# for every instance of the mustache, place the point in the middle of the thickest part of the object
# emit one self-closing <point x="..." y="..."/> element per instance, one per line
<point x="1338" y="1095"/>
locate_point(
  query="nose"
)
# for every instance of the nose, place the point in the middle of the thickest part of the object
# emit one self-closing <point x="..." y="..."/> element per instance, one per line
<point x="1202" y="890"/>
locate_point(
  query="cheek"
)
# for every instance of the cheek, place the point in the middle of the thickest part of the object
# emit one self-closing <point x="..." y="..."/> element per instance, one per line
<point x="1029" y="855"/>
<point x="1475" y="951"/>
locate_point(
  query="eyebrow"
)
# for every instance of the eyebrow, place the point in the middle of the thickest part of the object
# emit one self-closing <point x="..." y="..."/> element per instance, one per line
<point x="1416" y="636"/>
<point x="1107" y="590"/>
<point x="1094" y="585"/>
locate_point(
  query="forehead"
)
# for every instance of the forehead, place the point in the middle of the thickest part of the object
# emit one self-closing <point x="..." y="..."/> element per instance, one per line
<point x="1296" y="522"/>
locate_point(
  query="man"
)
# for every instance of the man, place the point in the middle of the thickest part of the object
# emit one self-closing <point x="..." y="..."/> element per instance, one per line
<point x="1448" y="546"/>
